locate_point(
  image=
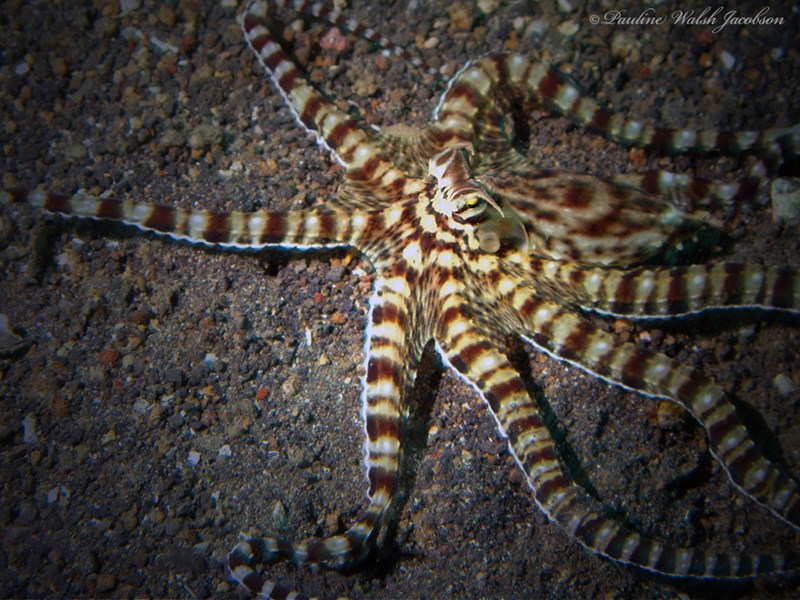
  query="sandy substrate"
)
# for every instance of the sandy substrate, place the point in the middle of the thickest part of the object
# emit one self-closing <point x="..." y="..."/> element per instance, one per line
<point x="166" y="397"/>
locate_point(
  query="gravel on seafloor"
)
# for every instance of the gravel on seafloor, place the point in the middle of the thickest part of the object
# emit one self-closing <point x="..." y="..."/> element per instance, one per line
<point x="157" y="398"/>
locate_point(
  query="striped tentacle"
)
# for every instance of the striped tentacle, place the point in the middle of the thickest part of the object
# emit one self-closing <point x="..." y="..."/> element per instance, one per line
<point x="669" y="291"/>
<point x="470" y="95"/>
<point x="470" y="112"/>
<point x="557" y="92"/>
<point x="519" y="84"/>
<point x="334" y="129"/>
<point x="569" y="337"/>
<point x="408" y="148"/>
<point x="695" y="195"/>
<point x="530" y="443"/>
<point x="309" y="228"/>
<point x="390" y="370"/>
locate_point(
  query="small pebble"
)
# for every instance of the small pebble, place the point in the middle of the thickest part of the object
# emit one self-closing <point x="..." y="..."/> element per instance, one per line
<point x="193" y="458"/>
<point x="568" y="29"/>
<point x="129" y="362"/>
<point x="536" y="28"/>
<point x="460" y="17"/>
<point x="55" y="493"/>
<point x="76" y="153"/>
<point x="59" y="66"/>
<point x="109" y="437"/>
<point x="727" y="60"/>
<point x="225" y="451"/>
<point x="623" y="45"/>
<point x="126" y="6"/>
<point x="785" y="195"/>
<point x="105" y="583"/>
<point x="783" y="385"/>
<point x="565" y="7"/>
<point x="141" y="406"/>
<point x="365" y="85"/>
<point x="29" y="434"/>
<point x="278" y="517"/>
<point x="333" y="40"/>
<point x="108" y="357"/>
<point x="205" y="136"/>
<point x="171" y="138"/>
<point x="747" y="332"/>
<point x="669" y="415"/>
<point x="52" y="495"/>
<point x="166" y="14"/>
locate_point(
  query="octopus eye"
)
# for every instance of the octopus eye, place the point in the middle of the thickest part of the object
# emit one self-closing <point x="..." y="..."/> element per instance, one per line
<point x="473" y="211"/>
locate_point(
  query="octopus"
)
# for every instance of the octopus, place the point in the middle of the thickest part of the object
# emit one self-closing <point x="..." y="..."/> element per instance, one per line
<point x="478" y="254"/>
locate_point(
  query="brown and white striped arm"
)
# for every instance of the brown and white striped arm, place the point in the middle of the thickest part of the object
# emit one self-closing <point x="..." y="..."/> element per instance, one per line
<point x="569" y="337"/>
<point x="334" y="129"/>
<point x="407" y="151"/>
<point x="485" y="368"/>
<point x="390" y="371"/>
<point x="309" y="228"/>
<point x="503" y="79"/>
<point x="696" y="195"/>
<point x="643" y="292"/>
